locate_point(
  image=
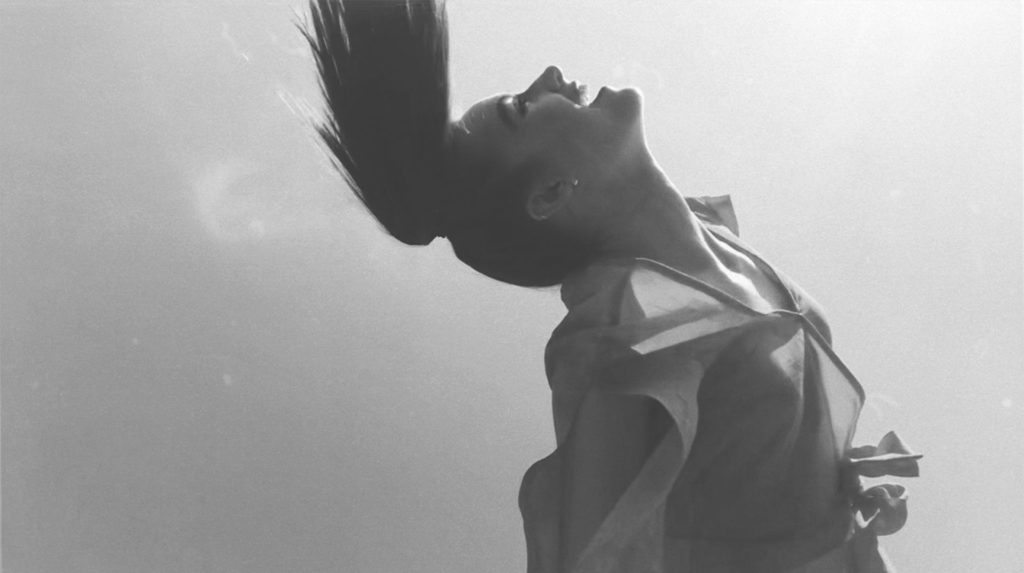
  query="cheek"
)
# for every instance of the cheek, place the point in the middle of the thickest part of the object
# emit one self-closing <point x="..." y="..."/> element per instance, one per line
<point x="602" y="139"/>
<point x="572" y="136"/>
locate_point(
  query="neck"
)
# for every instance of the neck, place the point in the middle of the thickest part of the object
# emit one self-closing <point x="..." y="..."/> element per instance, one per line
<point x="659" y="225"/>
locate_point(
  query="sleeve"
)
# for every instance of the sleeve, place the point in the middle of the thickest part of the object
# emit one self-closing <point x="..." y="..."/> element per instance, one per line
<point x="596" y="504"/>
<point x="615" y="437"/>
<point x="625" y="403"/>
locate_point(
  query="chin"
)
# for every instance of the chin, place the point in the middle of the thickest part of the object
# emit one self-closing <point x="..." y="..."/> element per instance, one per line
<point x="632" y="93"/>
<point x="625" y="103"/>
<point x="630" y="105"/>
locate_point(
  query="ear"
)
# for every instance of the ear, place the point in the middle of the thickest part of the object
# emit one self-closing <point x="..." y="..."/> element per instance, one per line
<point x="548" y="197"/>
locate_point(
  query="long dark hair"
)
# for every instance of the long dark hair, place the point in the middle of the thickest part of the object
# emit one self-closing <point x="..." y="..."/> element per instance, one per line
<point x="383" y="68"/>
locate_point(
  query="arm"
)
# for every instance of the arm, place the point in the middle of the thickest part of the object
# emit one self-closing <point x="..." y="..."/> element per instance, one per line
<point x="613" y="436"/>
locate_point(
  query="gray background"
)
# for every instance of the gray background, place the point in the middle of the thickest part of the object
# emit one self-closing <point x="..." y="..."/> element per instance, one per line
<point x="213" y="360"/>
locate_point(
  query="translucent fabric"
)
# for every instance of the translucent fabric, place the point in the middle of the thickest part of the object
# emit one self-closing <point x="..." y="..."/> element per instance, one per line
<point x="753" y="468"/>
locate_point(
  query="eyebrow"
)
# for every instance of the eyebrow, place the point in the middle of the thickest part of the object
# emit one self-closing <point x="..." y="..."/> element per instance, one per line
<point x="503" y="113"/>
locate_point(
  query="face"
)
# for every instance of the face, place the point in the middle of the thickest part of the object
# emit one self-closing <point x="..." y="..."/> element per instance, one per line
<point x="551" y="121"/>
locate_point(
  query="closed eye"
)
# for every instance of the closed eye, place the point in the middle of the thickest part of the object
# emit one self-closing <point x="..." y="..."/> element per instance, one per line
<point x="519" y="102"/>
<point x="502" y="105"/>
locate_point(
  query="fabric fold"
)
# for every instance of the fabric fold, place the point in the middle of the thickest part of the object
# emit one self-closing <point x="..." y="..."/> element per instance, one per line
<point x="756" y="472"/>
<point x="882" y="509"/>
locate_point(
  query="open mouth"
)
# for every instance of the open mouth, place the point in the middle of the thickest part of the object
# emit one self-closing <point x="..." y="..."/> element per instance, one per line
<point x="575" y="92"/>
<point x="579" y="94"/>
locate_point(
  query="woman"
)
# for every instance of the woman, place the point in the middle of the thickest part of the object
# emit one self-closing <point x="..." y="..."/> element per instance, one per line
<point x="703" y="421"/>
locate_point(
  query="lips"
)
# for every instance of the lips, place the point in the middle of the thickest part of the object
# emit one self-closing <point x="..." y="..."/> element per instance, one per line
<point x="604" y="90"/>
<point x="572" y="91"/>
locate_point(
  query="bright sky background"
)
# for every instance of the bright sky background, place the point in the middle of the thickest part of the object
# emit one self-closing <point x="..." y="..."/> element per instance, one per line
<point x="213" y="360"/>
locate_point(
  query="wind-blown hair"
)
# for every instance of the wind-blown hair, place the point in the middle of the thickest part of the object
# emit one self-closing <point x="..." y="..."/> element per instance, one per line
<point x="383" y="68"/>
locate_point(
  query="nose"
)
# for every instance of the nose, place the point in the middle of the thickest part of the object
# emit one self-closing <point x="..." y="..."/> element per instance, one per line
<point x="550" y="80"/>
<point x="553" y="75"/>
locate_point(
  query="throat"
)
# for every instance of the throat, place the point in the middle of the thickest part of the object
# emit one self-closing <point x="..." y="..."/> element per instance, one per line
<point x="660" y="226"/>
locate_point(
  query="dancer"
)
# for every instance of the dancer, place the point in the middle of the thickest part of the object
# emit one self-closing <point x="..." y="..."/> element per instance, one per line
<point x="703" y="421"/>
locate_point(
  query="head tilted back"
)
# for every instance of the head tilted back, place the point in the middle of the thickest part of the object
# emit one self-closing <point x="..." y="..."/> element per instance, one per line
<point x="383" y="67"/>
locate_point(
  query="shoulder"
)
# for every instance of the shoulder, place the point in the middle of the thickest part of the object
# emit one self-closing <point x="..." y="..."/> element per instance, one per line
<point x="618" y="292"/>
<point x="615" y="292"/>
<point x="640" y="306"/>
